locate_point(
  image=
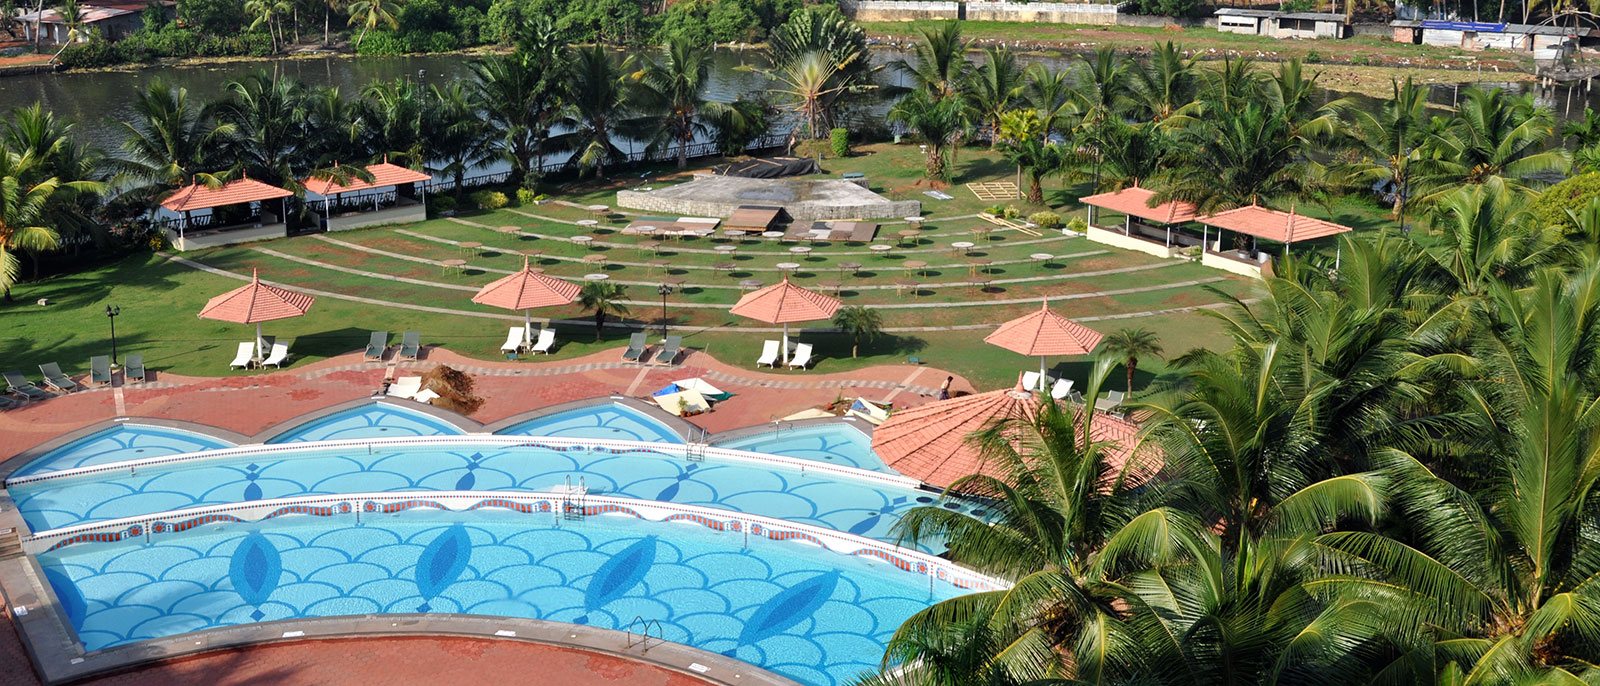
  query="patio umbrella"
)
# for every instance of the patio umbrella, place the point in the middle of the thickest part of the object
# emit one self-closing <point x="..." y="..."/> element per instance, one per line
<point x="526" y="290"/>
<point x="1044" y="333"/>
<point x="783" y="303"/>
<point x="255" y="303"/>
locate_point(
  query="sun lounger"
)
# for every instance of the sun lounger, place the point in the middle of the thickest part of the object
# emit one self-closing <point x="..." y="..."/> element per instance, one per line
<point x="514" y="339"/>
<point x="669" y="351"/>
<point x="8" y="403"/>
<point x="55" y="380"/>
<point x="99" y="370"/>
<point x="1034" y="381"/>
<point x="242" y="358"/>
<point x="635" y="351"/>
<point x="133" y="368"/>
<point x="870" y="411"/>
<point x="405" y="387"/>
<point x="377" y="345"/>
<point x="410" y="345"/>
<point x="280" y="352"/>
<point x="547" y="339"/>
<point x="801" y="357"/>
<point x="1061" y="389"/>
<point x="19" y="384"/>
<point x="769" y="354"/>
<point x="1111" y="401"/>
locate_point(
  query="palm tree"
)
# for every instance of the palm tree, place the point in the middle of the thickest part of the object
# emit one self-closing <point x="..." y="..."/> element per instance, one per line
<point x="1488" y="240"/>
<point x="267" y="13"/>
<point x="861" y="323"/>
<point x="1583" y="132"/>
<point x="995" y="88"/>
<point x="166" y="143"/>
<point x="1105" y="89"/>
<point x="395" y="111"/>
<point x="267" y="133"/>
<point x="1050" y="94"/>
<point x="1035" y="160"/>
<point x="938" y="65"/>
<point x="370" y="14"/>
<point x="596" y="102"/>
<point x="937" y="122"/>
<point x="1235" y="157"/>
<point x="22" y="205"/>
<point x="1127" y="154"/>
<point x="1129" y="345"/>
<point x="328" y="8"/>
<point x="740" y="123"/>
<point x="1493" y="135"/>
<point x="604" y="299"/>
<point x="51" y="142"/>
<point x="672" y="90"/>
<point x="521" y="94"/>
<point x="1389" y="142"/>
<point x="837" y="64"/>
<point x="810" y="85"/>
<point x="338" y="126"/>
<point x="454" y="134"/>
<point x="1165" y="83"/>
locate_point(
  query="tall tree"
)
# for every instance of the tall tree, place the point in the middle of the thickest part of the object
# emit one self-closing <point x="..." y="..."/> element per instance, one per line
<point x="1128" y="345"/>
<point x="995" y="88"/>
<point x="596" y="103"/>
<point x="1492" y="134"/>
<point x="1389" y="143"/>
<point x="168" y="141"/>
<point x="938" y="122"/>
<point x="671" y="89"/>
<point x="266" y="116"/>
<point x="938" y="66"/>
<point x="370" y="14"/>
<point x="521" y="94"/>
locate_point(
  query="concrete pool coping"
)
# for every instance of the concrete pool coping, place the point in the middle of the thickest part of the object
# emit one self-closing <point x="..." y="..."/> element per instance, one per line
<point x="856" y="423"/>
<point x="685" y="430"/>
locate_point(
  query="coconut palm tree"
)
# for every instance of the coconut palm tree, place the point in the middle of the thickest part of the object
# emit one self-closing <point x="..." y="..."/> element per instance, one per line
<point x="338" y="127"/>
<point x="1126" y="154"/>
<point x="520" y="94"/>
<point x="995" y="87"/>
<point x="1035" y="160"/>
<point x="1129" y="345"/>
<point x="1235" y="157"/>
<point x="938" y="123"/>
<point x="328" y="8"/>
<point x="395" y="111"/>
<point x="596" y="102"/>
<point x="370" y="14"/>
<point x="59" y="154"/>
<point x="166" y="143"/>
<point x="1165" y="83"/>
<point x="1389" y="143"/>
<point x="671" y="90"/>
<point x="604" y="299"/>
<point x="268" y="13"/>
<point x="1105" y="89"/>
<point x="267" y="115"/>
<point x="861" y="323"/>
<point x="1493" y="135"/>
<point x="741" y="123"/>
<point x="23" y="205"/>
<point x="1050" y="94"/>
<point x="1488" y="240"/>
<point x="1583" y="132"/>
<point x="938" y="66"/>
<point x="454" y="134"/>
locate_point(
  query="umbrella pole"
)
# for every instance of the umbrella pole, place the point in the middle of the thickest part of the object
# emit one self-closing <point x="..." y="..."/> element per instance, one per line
<point x="259" y="342"/>
<point x="527" y="330"/>
<point x="1042" y="377"/>
<point x="783" y="353"/>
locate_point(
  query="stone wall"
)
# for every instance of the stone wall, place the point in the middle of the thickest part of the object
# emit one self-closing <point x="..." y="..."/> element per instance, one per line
<point x="1043" y="12"/>
<point x="900" y="10"/>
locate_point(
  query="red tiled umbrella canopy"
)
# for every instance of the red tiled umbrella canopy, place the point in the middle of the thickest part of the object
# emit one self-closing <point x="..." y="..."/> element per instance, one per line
<point x="526" y="290"/>
<point x="930" y="442"/>
<point x="254" y="303"/>
<point x="784" y="303"/>
<point x="1044" y="333"/>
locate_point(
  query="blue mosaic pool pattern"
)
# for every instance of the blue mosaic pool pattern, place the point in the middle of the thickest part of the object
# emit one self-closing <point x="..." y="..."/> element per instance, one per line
<point x="120" y="443"/>
<point x="818" y="618"/>
<point x="606" y="420"/>
<point x="377" y="420"/>
<point x="833" y="443"/>
<point x="842" y="504"/>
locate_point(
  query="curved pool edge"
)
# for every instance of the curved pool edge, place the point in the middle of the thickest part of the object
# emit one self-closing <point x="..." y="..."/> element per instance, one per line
<point x="10" y="465"/>
<point x="856" y="423"/>
<point x="687" y="431"/>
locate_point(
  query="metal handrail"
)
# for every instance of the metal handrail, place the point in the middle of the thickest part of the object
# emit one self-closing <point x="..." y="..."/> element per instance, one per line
<point x="644" y="632"/>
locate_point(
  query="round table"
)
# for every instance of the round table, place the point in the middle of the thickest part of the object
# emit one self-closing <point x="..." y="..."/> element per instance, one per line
<point x="772" y="235"/>
<point x="510" y="230"/>
<point x="1041" y="257"/>
<point x="918" y="265"/>
<point x="904" y="282"/>
<point x="663" y="265"/>
<point x="834" y="285"/>
<point x="594" y="258"/>
<point x="726" y="249"/>
<point x="583" y="240"/>
<point x="880" y="248"/>
<point x="749" y="284"/>
<point x="734" y="234"/>
<point x="675" y="281"/>
<point x="981" y="283"/>
<point x="533" y="254"/>
<point x="598" y="210"/>
<point x="788" y="266"/>
<point x="470" y="247"/>
<point x="596" y="277"/>
<point x="908" y="236"/>
<point x="722" y="267"/>
<point x="586" y="223"/>
<point x="653" y="246"/>
<point x="962" y="246"/>
<point x="453" y="265"/>
<point x="801" y="250"/>
<point x="851" y="267"/>
<point x="979" y="264"/>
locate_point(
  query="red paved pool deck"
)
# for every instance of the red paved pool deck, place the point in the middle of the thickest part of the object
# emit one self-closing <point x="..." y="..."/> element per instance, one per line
<point x="251" y="404"/>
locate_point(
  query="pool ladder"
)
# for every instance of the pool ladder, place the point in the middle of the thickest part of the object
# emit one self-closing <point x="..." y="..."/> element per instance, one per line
<point x="644" y="632"/>
<point x="573" y="500"/>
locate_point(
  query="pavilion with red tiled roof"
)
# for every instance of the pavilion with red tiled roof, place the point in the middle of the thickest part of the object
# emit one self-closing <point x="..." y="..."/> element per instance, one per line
<point x="1260" y="224"/>
<point x="1136" y="203"/>
<point x="195" y="221"/>
<point x="931" y="442"/>
<point x="395" y="195"/>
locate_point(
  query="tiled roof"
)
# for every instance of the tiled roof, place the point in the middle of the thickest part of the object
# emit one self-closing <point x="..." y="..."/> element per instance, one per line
<point x="1136" y="201"/>
<point x="199" y="196"/>
<point x="256" y="302"/>
<point x="1273" y="225"/>
<point x="1043" y="332"/>
<point x="786" y="303"/>
<point x="526" y="290"/>
<point x="383" y="174"/>
<point x="930" y="442"/>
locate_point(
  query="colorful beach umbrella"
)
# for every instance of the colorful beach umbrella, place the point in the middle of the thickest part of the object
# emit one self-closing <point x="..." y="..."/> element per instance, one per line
<point x="255" y="303"/>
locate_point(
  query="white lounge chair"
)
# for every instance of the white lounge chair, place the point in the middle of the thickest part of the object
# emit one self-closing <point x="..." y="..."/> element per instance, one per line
<point x="547" y="339"/>
<point x="769" y="354"/>
<point x="241" y="359"/>
<point x="1112" y="400"/>
<point x="280" y="352"/>
<point x="801" y="357"/>
<point x="1061" y="389"/>
<point x="514" y="338"/>
<point x="405" y="387"/>
<point x="1034" y="381"/>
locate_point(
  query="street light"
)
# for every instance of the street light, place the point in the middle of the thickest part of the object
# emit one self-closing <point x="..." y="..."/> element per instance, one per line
<point x="111" y="313"/>
<point x="665" y="290"/>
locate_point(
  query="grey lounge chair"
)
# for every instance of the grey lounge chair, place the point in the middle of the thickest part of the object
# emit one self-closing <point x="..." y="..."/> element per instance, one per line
<point x="1112" y="400"/>
<point x="410" y="344"/>
<point x="99" y="370"/>
<point x="635" y="351"/>
<point x="377" y="345"/>
<point x="8" y="403"/>
<point x="54" y="379"/>
<point x="20" y="385"/>
<point x="669" y="352"/>
<point x="133" y="368"/>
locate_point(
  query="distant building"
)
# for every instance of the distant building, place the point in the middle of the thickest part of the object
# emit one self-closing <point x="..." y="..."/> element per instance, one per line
<point x="1275" y="24"/>
<point x="1473" y="35"/>
<point x="112" y="20"/>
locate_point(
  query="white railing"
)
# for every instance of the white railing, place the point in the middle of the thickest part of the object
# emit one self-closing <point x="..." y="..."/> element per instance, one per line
<point x="681" y="451"/>
<point x="145" y="528"/>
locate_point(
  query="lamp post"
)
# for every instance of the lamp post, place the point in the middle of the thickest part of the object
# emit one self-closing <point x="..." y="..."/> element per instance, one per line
<point x="665" y="290"/>
<point x="111" y="313"/>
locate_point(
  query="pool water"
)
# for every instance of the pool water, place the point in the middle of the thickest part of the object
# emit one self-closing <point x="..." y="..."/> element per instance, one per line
<point x="119" y="443"/>
<point x="377" y="420"/>
<point x="814" y="616"/>
<point x="834" y="443"/>
<point x="843" y="504"/>
<point x="606" y="420"/>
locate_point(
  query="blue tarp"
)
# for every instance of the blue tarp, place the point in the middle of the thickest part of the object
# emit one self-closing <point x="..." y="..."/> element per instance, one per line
<point x="1475" y="26"/>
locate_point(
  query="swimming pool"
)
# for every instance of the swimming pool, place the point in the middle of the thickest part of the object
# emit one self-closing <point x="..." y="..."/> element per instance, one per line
<point x="814" y="616"/>
<point x="833" y="442"/>
<point x="120" y="443"/>
<point x="375" y="420"/>
<point x="604" y="420"/>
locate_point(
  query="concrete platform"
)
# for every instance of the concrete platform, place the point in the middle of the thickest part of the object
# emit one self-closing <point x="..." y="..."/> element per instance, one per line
<point x="803" y="199"/>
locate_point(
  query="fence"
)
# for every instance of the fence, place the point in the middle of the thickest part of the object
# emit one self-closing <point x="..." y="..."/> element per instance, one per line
<point x="668" y="153"/>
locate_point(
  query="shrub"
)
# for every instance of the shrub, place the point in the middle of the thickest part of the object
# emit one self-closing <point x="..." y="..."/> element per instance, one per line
<point x="526" y="196"/>
<point x="840" y="140"/>
<point x="1011" y="212"/>
<point x="996" y="210"/>
<point x="382" y="43"/>
<point x="490" y="200"/>
<point x="440" y="204"/>
<point x="95" y="53"/>
<point x="1046" y="219"/>
<point x="1078" y="225"/>
<point x="1550" y="209"/>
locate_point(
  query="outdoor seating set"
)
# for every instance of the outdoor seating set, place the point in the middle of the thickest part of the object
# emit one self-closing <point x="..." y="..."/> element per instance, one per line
<point x="19" y="389"/>
<point x="378" y="345"/>
<point x="245" y="356"/>
<point x="517" y="341"/>
<point x="797" y="356"/>
<point x="639" y="351"/>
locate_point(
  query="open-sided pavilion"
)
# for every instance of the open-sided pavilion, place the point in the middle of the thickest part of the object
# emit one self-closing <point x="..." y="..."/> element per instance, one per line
<point x="395" y="195"/>
<point x="239" y="211"/>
